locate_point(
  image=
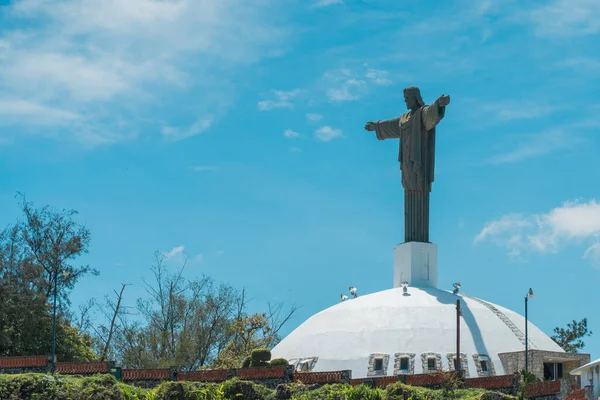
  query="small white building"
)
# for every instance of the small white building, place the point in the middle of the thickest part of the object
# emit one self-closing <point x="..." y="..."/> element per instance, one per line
<point x="590" y="376"/>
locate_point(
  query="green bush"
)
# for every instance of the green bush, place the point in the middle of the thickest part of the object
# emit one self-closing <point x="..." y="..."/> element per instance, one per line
<point x="41" y="386"/>
<point x="258" y="364"/>
<point x="261" y="355"/>
<point x="337" y="392"/>
<point x="237" y="389"/>
<point x="246" y="363"/>
<point x="105" y="387"/>
<point x="279" y="361"/>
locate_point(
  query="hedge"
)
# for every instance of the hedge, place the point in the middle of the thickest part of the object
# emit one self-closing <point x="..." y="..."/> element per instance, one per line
<point x="106" y="387"/>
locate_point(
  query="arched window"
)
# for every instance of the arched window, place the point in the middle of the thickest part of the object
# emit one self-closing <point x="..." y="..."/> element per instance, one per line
<point x="452" y="364"/>
<point x="484" y="365"/>
<point x="431" y="362"/>
<point x="378" y="364"/>
<point x="404" y="363"/>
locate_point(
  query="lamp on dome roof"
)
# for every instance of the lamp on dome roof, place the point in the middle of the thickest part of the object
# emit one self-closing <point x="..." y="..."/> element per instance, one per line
<point x="353" y="291"/>
<point x="456" y="287"/>
<point x="404" y="285"/>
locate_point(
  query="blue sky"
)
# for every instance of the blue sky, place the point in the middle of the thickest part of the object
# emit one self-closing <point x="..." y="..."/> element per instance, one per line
<point x="231" y="132"/>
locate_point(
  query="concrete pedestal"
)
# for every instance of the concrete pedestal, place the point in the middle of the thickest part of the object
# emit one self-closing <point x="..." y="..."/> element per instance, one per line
<point x="416" y="263"/>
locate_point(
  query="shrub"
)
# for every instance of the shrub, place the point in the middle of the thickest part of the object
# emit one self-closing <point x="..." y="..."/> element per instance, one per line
<point x="336" y="392"/>
<point x="237" y="389"/>
<point x="261" y="355"/>
<point x="279" y="361"/>
<point x="246" y="363"/>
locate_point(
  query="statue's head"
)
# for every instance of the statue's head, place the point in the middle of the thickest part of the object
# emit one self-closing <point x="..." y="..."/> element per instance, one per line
<point x="412" y="97"/>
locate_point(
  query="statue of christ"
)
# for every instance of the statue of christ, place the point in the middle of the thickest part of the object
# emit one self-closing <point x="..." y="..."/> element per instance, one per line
<point x="416" y="131"/>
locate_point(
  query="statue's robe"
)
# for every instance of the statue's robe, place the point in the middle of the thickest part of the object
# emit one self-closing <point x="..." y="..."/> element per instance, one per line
<point x="416" y="131"/>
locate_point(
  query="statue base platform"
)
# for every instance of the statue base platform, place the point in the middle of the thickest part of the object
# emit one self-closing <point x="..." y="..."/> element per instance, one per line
<point x="416" y="263"/>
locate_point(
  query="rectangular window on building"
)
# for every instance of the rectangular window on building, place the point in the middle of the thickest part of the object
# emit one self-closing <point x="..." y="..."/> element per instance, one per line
<point x="404" y="363"/>
<point x="484" y="366"/>
<point x="559" y="371"/>
<point x="431" y="364"/>
<point x="378" y="366"/>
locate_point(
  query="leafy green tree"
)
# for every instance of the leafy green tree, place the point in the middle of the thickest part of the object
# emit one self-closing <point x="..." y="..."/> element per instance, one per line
<point x="25" y="285"/>
<point x="571" y="338"/>
<point x="248" y="332"/>
<point x="183" y="322"/>
<point x="51" y="240"/>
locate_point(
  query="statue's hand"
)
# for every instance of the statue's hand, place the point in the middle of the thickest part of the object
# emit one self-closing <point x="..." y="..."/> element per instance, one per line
<point x="370" y="126"/>
<point x="443" y="101"/>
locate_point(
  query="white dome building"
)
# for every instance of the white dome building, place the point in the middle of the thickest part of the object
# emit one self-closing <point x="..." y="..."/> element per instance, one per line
<point x="392" y="332"/>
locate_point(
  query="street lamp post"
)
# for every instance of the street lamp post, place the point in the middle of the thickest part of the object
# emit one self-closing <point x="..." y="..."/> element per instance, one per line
<point x="65" y="274"/>
<point x="53" y="361"/>
<point x="527" y="297"/>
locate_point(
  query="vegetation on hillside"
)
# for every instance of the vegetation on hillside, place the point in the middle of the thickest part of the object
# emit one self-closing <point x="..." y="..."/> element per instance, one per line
<point x="106" y="387"/>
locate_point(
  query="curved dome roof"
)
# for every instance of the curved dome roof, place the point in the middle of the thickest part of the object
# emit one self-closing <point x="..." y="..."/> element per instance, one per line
<point x="350" y="334"/>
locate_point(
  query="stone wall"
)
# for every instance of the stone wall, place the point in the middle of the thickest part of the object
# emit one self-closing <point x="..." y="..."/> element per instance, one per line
<point x="22" y="365"/>
<point x="543" y="390"/>
<point x="508" y="384"/>
<point x="515" y="361"/>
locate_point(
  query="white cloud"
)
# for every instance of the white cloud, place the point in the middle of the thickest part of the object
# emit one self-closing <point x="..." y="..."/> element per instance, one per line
<point x="566" y="18"/>
<point x="508" y="223"/>
<point x="378" y="77"/>
<point x="109" y="61"/>
<point x="314" y="117"/>
<point x="205" y="168"/>
<point x="283" y="100"/>
<point x="326" y="3"/>
<point x="539" y="145"/>
<point x="593" y="254"/>
<point x="178" y="257"/>
<point x="295" y="150"/>
<point x="27" y="112"/>
<point x="174" y="252"/>
<point x="173" y="134"/>
<point x="288" y="133"/>
<point x="344" y="85"/>
<point x="351" y="89"/>
<point x="573" y="222"/>
<point x="327" y="133"/>
<point x="516" y="110"/>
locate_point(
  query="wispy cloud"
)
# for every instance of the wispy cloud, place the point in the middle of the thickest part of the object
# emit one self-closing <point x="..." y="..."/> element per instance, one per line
<point x="174" y="252"/>
<point x="347" y="85"/>
<point x="283" y="99"/>
<point x="173" y="134"/>
<point x="27" y="112"/>
<point x="314" y="117"/>
<point x="573" y="222"/>
<point x="566" y="18"/>
<point x="327" y="133"/>
<point x="112" y="61"/>
<point x="344" y="86"/>
<point x="378" y="77"/>
<point x="581" y="64"/>
<point x="326" y="3"/>
<point x="288" y="133"/>
<point x="538" y="145"/>
<point x="516" y="110"/>
<point x="177" y="257"/>
<point x="205" y="168"/>
<point x="295" y="150"/>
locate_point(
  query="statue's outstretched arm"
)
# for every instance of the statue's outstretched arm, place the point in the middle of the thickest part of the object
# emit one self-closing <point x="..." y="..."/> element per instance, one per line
<point x="388" y="129"/>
